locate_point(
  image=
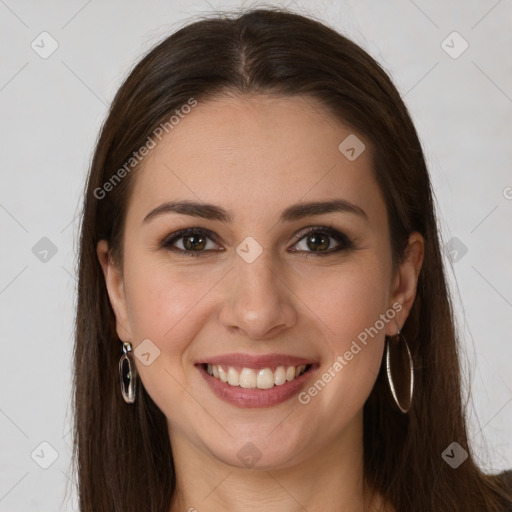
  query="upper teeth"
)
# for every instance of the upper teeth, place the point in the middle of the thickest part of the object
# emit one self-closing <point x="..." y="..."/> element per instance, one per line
<point x="263" y="378"/>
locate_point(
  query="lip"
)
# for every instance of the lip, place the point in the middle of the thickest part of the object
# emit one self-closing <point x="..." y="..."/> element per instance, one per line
<point x="256" y="398"/>
<point x="256" y="362"/>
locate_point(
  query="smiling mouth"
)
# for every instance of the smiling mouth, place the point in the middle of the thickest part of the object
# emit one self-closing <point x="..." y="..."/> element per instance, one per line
<point x="259" y="378"/>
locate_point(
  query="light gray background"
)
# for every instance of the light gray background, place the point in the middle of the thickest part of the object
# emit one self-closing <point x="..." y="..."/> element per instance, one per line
<point x="51" y="111"/>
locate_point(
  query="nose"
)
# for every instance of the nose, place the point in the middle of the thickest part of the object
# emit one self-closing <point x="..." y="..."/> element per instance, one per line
<point x="259" y="304"/>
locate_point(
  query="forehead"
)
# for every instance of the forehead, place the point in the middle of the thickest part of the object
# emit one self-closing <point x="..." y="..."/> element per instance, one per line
<point x="255" y="154"/>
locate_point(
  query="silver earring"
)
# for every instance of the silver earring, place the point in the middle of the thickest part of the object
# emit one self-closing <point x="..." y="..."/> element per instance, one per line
<point x="400" y="370"/>
<point x="128" y="374"/>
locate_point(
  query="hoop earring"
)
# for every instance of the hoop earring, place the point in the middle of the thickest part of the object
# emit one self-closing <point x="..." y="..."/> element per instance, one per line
<point x="128" y="374"/>
<point x="398" y="352"/>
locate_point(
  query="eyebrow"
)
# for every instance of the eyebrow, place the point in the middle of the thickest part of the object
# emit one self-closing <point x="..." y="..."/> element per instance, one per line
<point x="294" y="212"/>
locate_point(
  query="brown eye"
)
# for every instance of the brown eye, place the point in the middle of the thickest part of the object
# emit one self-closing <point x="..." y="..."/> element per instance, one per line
<point x="318" y="240"/>
<point x="191" y="242"/>
<point x="194" y="242"/>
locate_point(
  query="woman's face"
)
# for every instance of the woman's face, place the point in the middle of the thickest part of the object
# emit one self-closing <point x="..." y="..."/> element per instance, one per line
<point x="252" y="288"/>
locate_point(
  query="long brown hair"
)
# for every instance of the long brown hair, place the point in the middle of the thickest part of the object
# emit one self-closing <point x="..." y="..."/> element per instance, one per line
<point x="122" y="453"/>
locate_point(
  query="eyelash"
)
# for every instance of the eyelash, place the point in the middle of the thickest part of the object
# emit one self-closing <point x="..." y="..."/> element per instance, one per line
<point x="341" y="238"/>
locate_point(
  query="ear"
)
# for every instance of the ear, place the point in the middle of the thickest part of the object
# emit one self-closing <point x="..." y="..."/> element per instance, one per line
<point x="116" y="292"/>
<point x="405" y="281"/>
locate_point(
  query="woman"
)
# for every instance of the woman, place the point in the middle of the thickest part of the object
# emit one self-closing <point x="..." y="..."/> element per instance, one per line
<point x="260" y="273"/>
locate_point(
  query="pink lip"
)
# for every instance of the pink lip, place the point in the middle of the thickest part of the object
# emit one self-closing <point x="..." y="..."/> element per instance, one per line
<point x="256" y="398"/>
<point x="256" y="362"/>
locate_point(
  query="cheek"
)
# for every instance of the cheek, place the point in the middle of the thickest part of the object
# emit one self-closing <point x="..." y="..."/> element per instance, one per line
<point x="349" y="304"/>
<point x="163" y="307"/>
<point x="336" y="306"/>
<point x="160" y="297"/>
<point x="347" y="300"/>
<point x="167" y="303"/>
